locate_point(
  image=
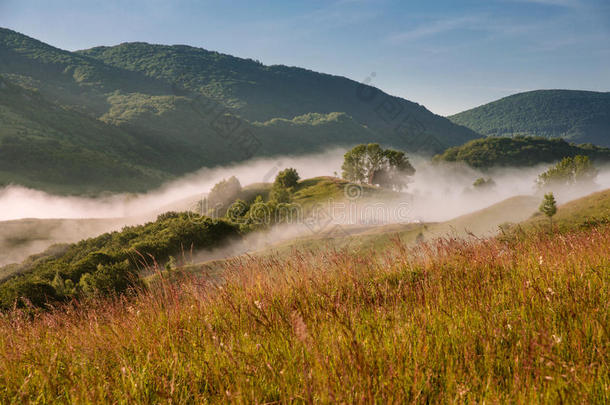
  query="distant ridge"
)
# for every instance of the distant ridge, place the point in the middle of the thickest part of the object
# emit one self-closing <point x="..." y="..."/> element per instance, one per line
<point x="578" y="116"/>
<point x="129" y="117"/>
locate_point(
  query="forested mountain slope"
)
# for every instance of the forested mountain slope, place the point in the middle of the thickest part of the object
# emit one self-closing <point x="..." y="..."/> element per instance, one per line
<point x="579" y="116"/>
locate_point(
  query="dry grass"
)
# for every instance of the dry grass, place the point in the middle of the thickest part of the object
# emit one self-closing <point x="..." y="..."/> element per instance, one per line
<point x="450" y="321"/>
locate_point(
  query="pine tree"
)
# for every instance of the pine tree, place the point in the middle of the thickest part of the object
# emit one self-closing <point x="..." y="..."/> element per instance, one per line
<point x="549" y="207"/>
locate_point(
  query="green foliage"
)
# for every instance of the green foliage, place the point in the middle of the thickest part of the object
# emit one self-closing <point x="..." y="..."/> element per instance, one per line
<point x="580" y="116"/>
<point x="568" y="172"/>
<point x="261" y="93"/>
<point x="238" y="209"/>
<point x="287" y="178"/>
<point x="484" y="183"/>
<point x="519" y="151"/>
<point x="549" y="205"/>
<point x="280" y="194"/>
<point x="110" y="263"/>
<point x="283" y="186"/>
<point x="370" y="164"/>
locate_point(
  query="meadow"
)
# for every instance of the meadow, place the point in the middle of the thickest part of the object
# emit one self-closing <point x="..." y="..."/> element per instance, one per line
<point x="521" y="319"/>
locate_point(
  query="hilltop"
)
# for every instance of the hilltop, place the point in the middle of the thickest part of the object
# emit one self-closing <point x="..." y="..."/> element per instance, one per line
<point x="130" y="117"/>
<point x="578" y="116"/>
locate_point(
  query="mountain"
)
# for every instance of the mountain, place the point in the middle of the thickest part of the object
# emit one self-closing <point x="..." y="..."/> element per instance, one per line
<point x="519" y="151"/>
<point x="129" y="117"/>
<point x="579" y="116"/>
<point x="259" y="93"/>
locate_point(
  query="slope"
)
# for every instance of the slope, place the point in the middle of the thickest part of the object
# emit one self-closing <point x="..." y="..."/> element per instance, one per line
<point x="582" y="212"/>
<point x="261" y="93"/>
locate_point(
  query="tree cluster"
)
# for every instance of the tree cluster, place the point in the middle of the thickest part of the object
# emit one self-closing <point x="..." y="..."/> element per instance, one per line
<point x="569" y="171"/>
<point x="262" y="214"/>
<point x="371" y="164"/>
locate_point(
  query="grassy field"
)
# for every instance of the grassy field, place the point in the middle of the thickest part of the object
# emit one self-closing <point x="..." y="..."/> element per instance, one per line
<point x="445" y="321"/>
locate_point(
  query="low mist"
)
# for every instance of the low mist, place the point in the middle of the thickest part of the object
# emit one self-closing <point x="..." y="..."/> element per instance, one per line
<point x="437" y="192"/>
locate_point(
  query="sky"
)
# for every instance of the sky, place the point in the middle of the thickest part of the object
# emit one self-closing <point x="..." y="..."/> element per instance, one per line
<point x="449" y="55"/>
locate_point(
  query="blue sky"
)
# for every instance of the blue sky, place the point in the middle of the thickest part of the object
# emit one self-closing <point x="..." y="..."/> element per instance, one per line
<point x="447" y="55"/>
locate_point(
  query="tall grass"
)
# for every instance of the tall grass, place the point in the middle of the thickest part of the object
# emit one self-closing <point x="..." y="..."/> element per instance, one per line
<point x="449" y="321"/>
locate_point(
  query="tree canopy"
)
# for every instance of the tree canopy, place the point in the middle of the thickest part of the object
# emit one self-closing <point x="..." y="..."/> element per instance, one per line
<point x="519" y="151"/>
<point x="569" y="171"/>
<point x="371" y="164"/>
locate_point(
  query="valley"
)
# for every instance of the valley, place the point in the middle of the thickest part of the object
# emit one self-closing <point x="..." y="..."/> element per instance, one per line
<point x="181" y="225"/>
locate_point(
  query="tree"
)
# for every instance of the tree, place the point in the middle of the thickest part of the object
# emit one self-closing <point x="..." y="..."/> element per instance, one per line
<point x="224" y="192"/>
<point x="284" y="183"/>
<point x="373" y="165"/>
<point x="549" y="207"/>
<point x="287" y="178"/>
<point x="570" y="171"/>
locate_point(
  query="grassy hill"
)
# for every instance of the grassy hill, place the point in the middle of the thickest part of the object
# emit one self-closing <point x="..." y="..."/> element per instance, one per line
<point x="405" y="322"/>
<point x="361" y="238"/>
<point x="519" y="151"/>
<point x="579" y="116"/>
<point x="521" y="210"/>
<point x="130" y="117"/>
<point x="447" y="321"/>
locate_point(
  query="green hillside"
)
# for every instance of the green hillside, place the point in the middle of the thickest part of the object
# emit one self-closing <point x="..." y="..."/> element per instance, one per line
<point x="130" y="117"/>
<point x="260" y="93"/>
<point x="110" y="262"/>
<point x="49" y="146"/>
<point x="579" y="116"/>
<point x="519" y="151"/>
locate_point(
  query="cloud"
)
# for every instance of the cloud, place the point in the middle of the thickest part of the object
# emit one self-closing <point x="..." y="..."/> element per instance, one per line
<point x="435" y="28"/>
<point x="557" y="3"/>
